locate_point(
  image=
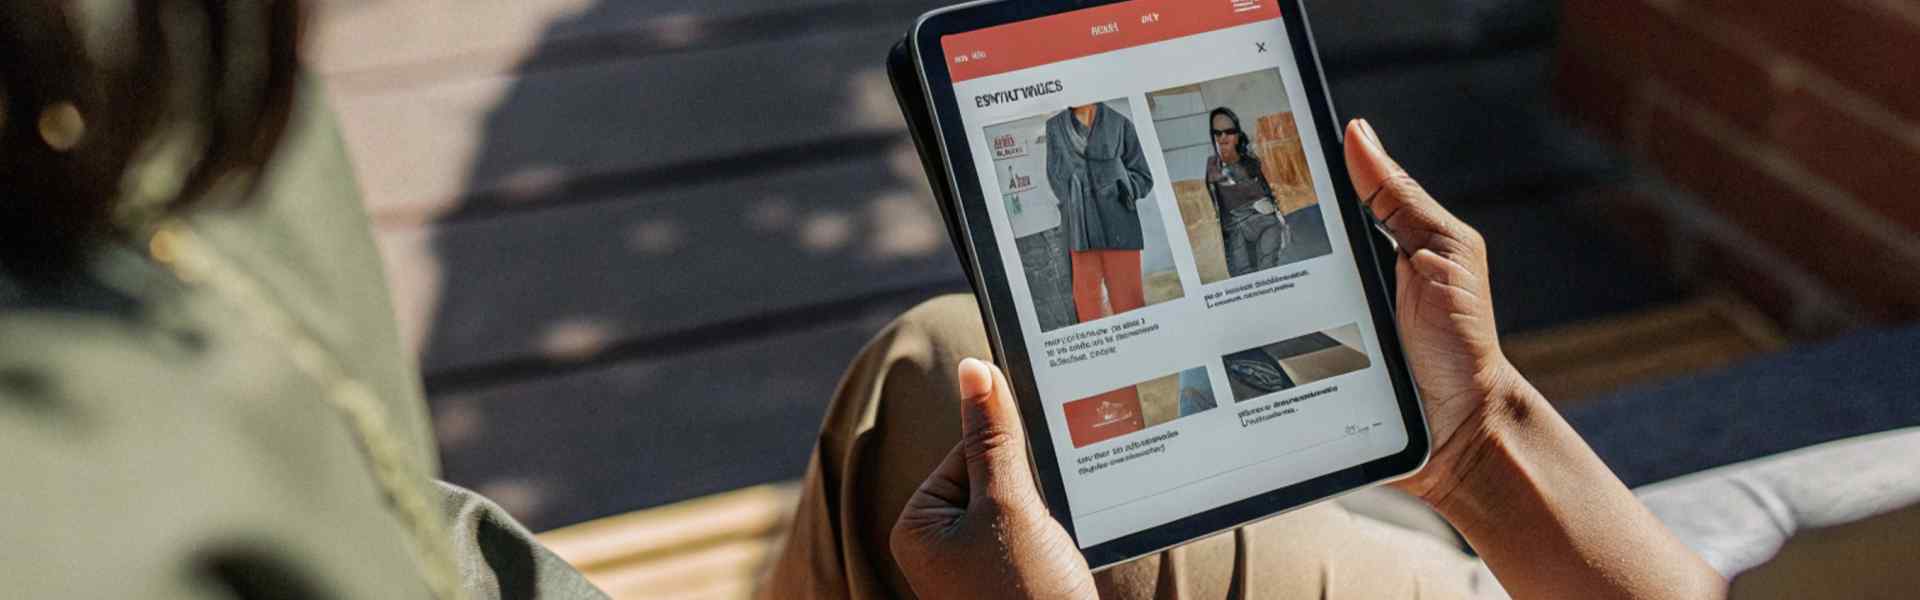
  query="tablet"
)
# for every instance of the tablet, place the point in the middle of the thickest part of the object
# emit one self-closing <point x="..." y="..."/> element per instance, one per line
<point x="1174" y="272"/>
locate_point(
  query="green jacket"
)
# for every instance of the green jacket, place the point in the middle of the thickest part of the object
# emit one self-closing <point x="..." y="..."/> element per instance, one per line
<point x="154" y="445"/>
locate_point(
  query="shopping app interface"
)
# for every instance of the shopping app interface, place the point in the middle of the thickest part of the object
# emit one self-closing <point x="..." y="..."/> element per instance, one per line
<point x="1198" y="331"/>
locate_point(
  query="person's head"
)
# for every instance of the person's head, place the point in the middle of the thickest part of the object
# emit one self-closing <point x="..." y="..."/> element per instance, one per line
<point x="1228" y="137"/>
<point x="108" y="109"/>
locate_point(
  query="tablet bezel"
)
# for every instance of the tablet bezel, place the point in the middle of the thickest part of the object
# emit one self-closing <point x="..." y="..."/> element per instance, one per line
<point x="1008" y="341"/>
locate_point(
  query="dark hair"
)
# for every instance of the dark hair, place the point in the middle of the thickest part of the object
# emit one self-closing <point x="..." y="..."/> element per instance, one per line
<point x="221" y="71"/>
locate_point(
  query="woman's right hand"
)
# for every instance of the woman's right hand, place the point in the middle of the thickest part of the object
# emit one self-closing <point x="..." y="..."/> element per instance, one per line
<point x="1543" y="512"/>
<point x="1444" y="310"/>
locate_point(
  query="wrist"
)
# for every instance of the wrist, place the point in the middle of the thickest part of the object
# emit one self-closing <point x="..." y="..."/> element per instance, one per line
<point x="1490" y="457"/>
<point x="1472" y="449"/>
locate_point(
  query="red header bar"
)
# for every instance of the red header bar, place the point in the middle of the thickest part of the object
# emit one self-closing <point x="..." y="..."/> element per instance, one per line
<point x="1093" y="31"/>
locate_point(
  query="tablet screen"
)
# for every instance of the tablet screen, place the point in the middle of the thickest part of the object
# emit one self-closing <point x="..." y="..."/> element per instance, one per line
<point x="1198" y="327"/>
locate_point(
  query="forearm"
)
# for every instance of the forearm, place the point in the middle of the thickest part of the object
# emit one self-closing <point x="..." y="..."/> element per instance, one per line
<point x="1552" y="521"/>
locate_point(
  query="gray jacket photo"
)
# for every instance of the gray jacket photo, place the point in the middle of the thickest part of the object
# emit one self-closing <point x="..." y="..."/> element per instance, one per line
<point x="1098" y="173"/>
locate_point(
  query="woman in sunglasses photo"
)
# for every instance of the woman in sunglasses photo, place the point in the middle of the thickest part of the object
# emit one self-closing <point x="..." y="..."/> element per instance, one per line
<point x="1251" y="225"/>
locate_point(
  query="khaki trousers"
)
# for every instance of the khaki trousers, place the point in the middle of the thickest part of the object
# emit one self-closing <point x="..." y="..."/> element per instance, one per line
<point x="896" y="415"/>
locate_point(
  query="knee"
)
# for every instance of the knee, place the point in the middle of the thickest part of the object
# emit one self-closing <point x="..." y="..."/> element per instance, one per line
<point x="900" y="391"/>
<point x="909" y="381"/>
<point x="949" y="324"/>
<point x="919" y="350"/>
<point x="909" y="358"/>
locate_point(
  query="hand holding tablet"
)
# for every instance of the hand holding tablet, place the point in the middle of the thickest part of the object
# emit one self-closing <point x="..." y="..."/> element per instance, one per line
<point x="1445" y="307"/>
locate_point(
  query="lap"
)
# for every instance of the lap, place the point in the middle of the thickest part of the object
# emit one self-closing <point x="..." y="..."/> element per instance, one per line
<point x="895" y="416"/>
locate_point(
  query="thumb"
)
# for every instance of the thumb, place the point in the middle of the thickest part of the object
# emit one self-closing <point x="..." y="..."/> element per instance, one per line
<point x="991" y="437"/>
<point x="1383" y="186"/>
<point x="1368" y="165"/>
<point x="1412" y="217"/>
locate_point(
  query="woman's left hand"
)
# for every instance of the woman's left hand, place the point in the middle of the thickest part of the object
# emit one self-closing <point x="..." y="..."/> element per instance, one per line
<point x="977" y="527"/>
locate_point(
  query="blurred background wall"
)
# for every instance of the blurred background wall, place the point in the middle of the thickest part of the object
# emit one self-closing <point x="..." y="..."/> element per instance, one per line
<point x="1796" y="127"/>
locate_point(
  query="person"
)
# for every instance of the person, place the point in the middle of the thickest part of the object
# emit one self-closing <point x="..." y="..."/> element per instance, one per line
<point x="209" y="403"/>
<point x="920" y="484"/>
<point x="1098" y="174"/>
<point x="1253" y="229"/>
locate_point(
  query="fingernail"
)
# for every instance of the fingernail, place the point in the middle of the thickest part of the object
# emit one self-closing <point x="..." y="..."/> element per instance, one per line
<point x="1374" y="136"/>
<point x="975" y="378"/>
